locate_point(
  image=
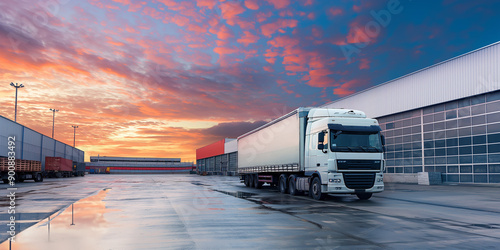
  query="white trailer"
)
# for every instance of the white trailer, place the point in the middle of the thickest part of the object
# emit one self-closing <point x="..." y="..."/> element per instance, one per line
<point x="315" y="150"/>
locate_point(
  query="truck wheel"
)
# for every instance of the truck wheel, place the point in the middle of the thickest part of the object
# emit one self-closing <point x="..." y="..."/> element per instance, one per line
<point x="292" y="185"/>
<point x="38" y="177"/>
<point x="20" y="180"/>
<point x="282" y="184"/>
<point x="315" y="189"/>
<point x="250" y="180"/>
<point x="364" y="196"/>
<point x="6" y="181"/>
<point x="256" y="183"/>
<point x="246" y="179"/>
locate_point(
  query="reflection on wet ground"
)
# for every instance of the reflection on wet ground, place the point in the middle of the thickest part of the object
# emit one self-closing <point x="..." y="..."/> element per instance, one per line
<point x="216" y="212"/>
<point x="68" y="227"/>
<point x="237" y="194"/>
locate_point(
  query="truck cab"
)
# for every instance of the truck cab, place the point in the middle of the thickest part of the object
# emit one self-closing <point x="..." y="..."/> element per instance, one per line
<point x="344" y="150"/>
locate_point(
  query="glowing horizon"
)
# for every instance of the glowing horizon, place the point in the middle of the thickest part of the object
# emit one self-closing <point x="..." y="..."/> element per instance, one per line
<point x="161" y="78"/>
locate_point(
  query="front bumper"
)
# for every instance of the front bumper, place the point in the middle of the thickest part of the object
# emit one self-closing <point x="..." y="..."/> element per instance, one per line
<point x="336" y="185"/>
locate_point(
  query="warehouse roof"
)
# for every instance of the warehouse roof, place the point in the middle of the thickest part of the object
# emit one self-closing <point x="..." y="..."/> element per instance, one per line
<point x="473" y="73"/>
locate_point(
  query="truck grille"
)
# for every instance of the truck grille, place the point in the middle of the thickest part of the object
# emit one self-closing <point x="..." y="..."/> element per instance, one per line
<point x="358" y="164"/>
<point x="359" y="180"/>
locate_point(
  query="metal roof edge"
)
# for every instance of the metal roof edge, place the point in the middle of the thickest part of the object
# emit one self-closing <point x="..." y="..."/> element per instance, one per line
<point x="412" y="73"/>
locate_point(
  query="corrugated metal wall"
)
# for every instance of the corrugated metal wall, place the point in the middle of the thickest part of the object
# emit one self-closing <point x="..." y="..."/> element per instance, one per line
<point x="31" y="145"/>
<point x="471" y="74"/>
<point x="32" y="142"/>
<point x="226" y="164"/>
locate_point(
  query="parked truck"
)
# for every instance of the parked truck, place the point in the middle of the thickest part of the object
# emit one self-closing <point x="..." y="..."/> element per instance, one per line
<point x="20" y="170"/>
<point x="78" y="168"/>
<point x="58" y="167"/>
<point x="315" y="150"/>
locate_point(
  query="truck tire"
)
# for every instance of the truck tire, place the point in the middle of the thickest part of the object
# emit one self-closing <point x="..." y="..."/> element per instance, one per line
<point x="364" y="196"/>
<point x="246" y="179"/>
<point x="250" y="180"/>
<point x="283" y="184"/>
<point x="315" y="189"/>
<point x="38" y="177"/>
<point x="292" y="187"/>
<point x="256" y="183"/>
<point x="5" y="181"/>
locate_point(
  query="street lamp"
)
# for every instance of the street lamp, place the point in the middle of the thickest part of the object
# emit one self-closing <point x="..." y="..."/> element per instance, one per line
<point x="17" y="86"/>
<point x="53" y="118"/>
<point x="74" y="134"/>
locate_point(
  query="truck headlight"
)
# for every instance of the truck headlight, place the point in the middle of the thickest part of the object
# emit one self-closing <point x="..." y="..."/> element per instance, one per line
<point x="335" y="180"/>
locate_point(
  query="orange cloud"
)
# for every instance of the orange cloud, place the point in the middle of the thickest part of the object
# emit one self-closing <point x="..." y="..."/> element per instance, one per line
<point x="284" y="41"/>
<point x="262" y="16"/>
<point x="288" y="91"/>
<point x="152" y="12"/>
<point x="231" y="9"/>
<point x="222" y="31"/>
<point x="364" y="64"/>
<point x="335" y="11"/>
<point x="347" y="88"/>
<point x="252" y="4"/>
<point x="206" y="3"/>
<point x="197" y="28"/>
<point x="357" y="34"/>
<point x="279" y="4"/>
<point x="271" y="60"/>
<point x="124" y="2"/>
<point x="248" y="38"/>
<point x="281" y="82"/>
<point x="270" y="28"/>
<point x="268" y="68"/>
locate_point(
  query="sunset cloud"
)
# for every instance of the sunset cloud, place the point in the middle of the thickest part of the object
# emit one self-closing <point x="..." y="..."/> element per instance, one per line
<point x="152" y="78"/>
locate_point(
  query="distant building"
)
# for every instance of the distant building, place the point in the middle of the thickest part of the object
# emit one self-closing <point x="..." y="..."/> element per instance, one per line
<point x="137" y="165"/>
<point x="218" y="158"/>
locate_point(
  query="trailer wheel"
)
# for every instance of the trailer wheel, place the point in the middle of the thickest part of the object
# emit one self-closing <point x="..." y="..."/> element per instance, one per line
<point x="250" y="180"/>
<point x="282" y="183"/>
<point x="246" y="179"/>
<point x="256" y="183"/>
<point x="292" y="189"/>
<point x="38" y="177"/>
<point x="315" y="189"/>
<point x="364" y="196"/>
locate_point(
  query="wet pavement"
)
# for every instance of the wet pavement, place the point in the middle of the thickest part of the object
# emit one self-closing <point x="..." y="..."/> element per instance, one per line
<point x="214" y="212"/>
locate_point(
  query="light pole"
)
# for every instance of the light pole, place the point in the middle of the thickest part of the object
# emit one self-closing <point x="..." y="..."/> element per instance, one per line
<point x="74" y="134"/>
<point x="17" y="86"/>
<point x="53" y="118"/>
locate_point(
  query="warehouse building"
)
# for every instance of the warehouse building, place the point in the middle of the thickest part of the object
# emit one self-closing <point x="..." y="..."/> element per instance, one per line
<point x="137" y="165"/>
<point x="219" y="158"/>
<point x="31" y="145"/>
<point x="444" y="118"/>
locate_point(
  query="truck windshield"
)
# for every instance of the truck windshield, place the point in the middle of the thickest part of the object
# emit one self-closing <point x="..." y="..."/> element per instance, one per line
<point x="351" y="141"/>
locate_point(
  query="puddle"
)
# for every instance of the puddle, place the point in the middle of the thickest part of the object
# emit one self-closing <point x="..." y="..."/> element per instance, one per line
<point x="68" y="228"/>
<point x="198" y="184"/>
<point x="237" y="194"/>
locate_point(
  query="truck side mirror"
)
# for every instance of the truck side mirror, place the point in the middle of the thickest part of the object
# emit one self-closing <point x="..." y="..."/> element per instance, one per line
<point x="321" y="146"/>
<point x="382" y="138"/>
<point x="321" y="137"/>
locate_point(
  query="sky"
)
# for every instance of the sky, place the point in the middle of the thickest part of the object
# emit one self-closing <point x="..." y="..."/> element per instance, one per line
<point x="160" y="78"/>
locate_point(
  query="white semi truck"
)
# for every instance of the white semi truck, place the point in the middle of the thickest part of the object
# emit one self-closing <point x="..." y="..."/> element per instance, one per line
<point x="315" y="150"/>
